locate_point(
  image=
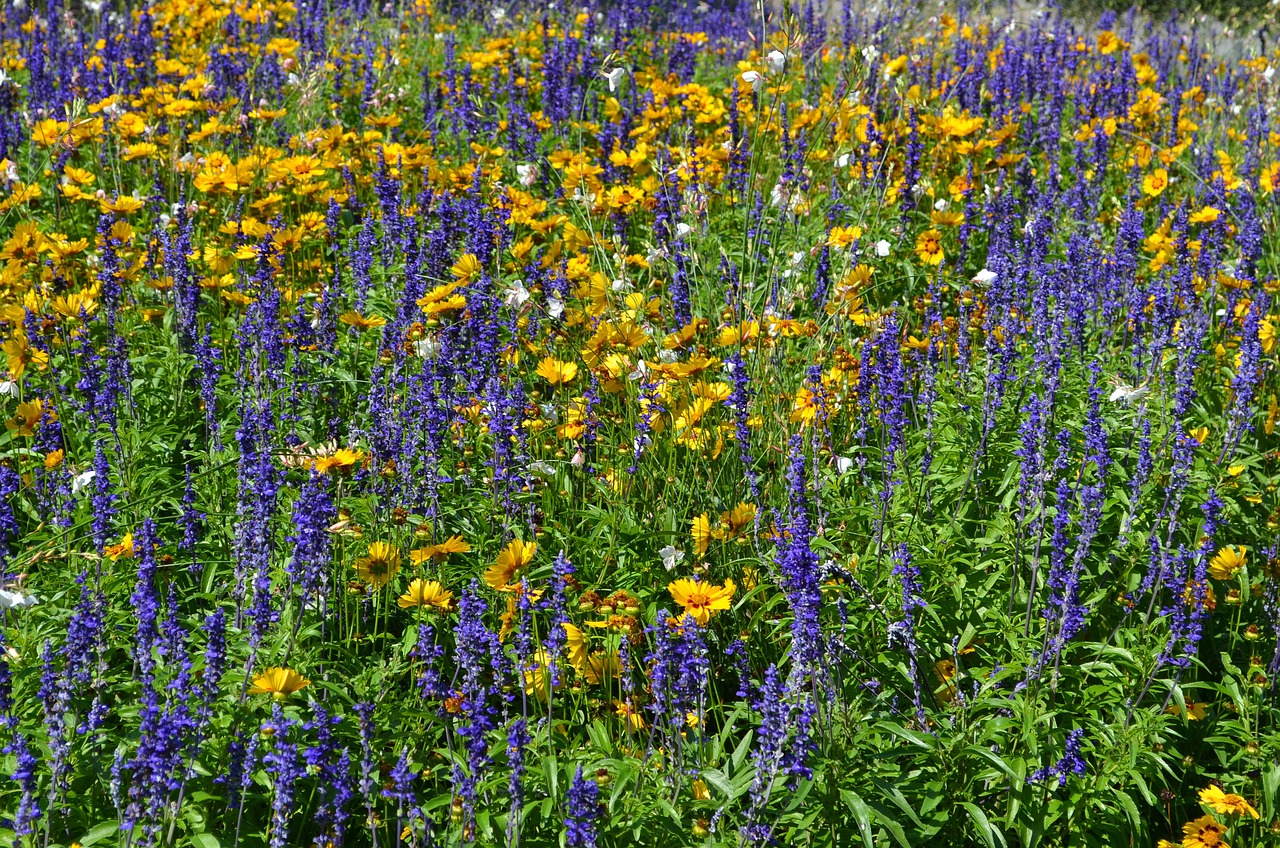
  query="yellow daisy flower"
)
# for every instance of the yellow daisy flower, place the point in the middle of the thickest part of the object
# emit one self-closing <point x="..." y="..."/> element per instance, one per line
<point x="701" y="600"/>
<point x="379" y="564"/>
<point x="515" y="556"/>
<point x="278" y="682"/>
<point x="426" y="593"/>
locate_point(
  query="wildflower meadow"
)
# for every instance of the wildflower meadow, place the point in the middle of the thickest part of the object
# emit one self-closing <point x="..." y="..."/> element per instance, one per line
<point x="638" y="423"/>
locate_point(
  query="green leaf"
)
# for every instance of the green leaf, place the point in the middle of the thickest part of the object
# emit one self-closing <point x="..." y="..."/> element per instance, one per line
<point x="1130" y="809"/>
<point x="101" y="831"/>
<point x="895" y="795"/>
<point x="1141" y="782"/>
<point x="717" y="778"/>
<point x="744" y="748"/>
<point x="890" y="824"/>
<point x="1270" y="788"/>
<point x="860" y="812"/>
<point x="920" y="740"/>
<point x="995" y="759"/>
<point x="989" y="834"/>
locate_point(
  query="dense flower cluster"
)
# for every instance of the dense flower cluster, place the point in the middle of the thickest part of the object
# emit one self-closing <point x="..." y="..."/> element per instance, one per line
<point x="636" y="422"/>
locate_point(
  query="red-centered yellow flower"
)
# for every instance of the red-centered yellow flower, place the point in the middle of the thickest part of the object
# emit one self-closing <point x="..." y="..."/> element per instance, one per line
<point x="124" y="549"/>
<point x="515" y="556"/>
<point x="701" y="600"/>
<point x="1204" y="832"/>
<point x="278" y="682"/>
<point x="1195" y="712"/>
<point x="556" y="372"/>
<point x="929" y="247"/>
<point x="440" y="552"/>
<point x="1154" y="184"/>
<point x="1226" y="562"/>
<point x="843" y="237"/>
<point x="805" y="406"/>
<point x="379" y="564"/>
<point x="1226" y="803"/>
<point x="426" y="593"/>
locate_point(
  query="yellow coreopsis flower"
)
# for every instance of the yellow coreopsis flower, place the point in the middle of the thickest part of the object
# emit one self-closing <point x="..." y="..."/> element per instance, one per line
<point x="1109" y="42"/>
<point x="361" y="322"/>
<point x="843" y="237"/>
<point x="466" y="268"/>
<point x="440" y="552"/>
<point x="278" y="682"/>
<point x="515" y="556"/>
<point x="805" y="406"/>
<point x="19" y="354"/>
<point x="701" y="533"/>
<point x="575" y="646"/>
<point x="1195" y="712"/>
<point x="1226" y="803"/>
<point x="929" y="247"/>
<point x="701" y="600"/>
<point x="599" y="667"/>
<point x="379" y="564"/>
<point x="556" y="372"/>
<point x="1267" y="335"/>
<point x="124" y="549"/>
<point x="125" y="204"/>
<point x="426" y="593"/>
<point x="737" y="519"/>
<point x="537" y="676"/>
<point x="1154" y="184"/>
<point x="28" y="417"/>
<point x="1269" y="178"/>
<point x="1204" y="832"/>
<point x="627" y="711"/>
<point x="341" y="460"/>
<point x="1205" y="215"/>
<point x="1226" y="562"/>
